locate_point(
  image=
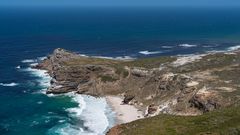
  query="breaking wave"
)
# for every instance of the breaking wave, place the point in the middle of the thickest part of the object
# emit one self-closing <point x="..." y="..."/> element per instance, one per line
<point x="92" y="116"/>
<point x="42" y="76"/>
<point x="29" y="61"/>
<point x="115" y="58"/>
<point x="187" y="45"/>
<point x="233" y="48"/>
<point x="9" y="84"/>
<point x="149" y="53"/>
<point x="94" y="112"/>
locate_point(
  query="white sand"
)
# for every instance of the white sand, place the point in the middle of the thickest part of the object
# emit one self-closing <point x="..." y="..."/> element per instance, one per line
<point x="187" y="59"/>
<point x="124" y="113"/>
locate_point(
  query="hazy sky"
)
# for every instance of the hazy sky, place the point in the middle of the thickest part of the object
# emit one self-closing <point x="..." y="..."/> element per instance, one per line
<point x="192" y="3"/>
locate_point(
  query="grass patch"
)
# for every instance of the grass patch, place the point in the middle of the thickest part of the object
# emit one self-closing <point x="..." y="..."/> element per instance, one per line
<point x="120" y="70"/>
<point x="89" y="60"/>
<point x="220" y="122"/>
<point x="150" y="62"/>
<point x="107" y="78"/>
<point x="209" y="62"/>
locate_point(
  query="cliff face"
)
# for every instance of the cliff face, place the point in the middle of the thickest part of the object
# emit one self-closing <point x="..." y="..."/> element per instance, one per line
<point x="183" y="86"/>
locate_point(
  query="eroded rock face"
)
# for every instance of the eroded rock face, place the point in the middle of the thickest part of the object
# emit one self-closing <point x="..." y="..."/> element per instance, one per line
<point x="171" y="89"/>
<point x="152" y="109"/>
<point x="140" y="72"/>
<point x="204" y="103"/>
<point x="128" y="98"/>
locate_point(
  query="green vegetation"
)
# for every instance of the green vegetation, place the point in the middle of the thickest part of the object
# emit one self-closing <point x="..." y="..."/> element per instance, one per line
<point x="119" y="65"/>
<point x="120" y="70"/>
<point x="209" y="62"/>
<point x="221" y="122"/>
<point x="89" y="60"/>
<point x="150" y="62"/>
<point x="107" y="78"/>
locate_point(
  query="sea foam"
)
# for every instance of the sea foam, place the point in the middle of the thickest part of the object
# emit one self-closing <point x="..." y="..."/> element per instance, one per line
<point x="115" y="58"/>
<point x="149" y="53"/>
<point x="187" y="45"/>
<point x="34" y="60"/>
<point x="93" y="112"/>
<point x="42" y="76"/>
<point x="233" y="48"/>
<point x="28" y="61"/>
<point x="42" y="58"/>
<point x="18" y="67"/>
<point x="8" y="84"/>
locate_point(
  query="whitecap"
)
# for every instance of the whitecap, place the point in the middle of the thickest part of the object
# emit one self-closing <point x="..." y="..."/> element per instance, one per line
<point x="94" y="115"/>
<point x="110" y="58"/>
<point x="77" y="111"/>
<point x="67" y="129"/>
<point x="92" y="111"/>
<point x="149" y="53"/>
<point x="215" y="51"/>
<point x="42" y="75"/>
<point x="83" y="55"/>
<point x="233" y="48"/>
<point x="49" y="95"/>
<point x="104" y="57"/>
<point x="167" y="47"/>
<point x="61" y="121"/>
<point x="39" y="102"/>
<point x="8" y="84"/>
<point x="33" y="64"/>
<point x="28" y="61"/>
<point x="187" y="45"/>
<point x="42" y="58"/>
<point x="124" y="58"/>
<point x="18" y="67"/>
<point x="115" y="58"/>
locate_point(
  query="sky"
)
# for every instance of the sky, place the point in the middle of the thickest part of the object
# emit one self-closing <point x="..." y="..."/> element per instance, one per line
<point x="121" y="3"/>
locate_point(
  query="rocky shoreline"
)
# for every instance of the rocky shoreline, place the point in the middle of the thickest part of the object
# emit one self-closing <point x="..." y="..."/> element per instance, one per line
<point x="173" y="85"/>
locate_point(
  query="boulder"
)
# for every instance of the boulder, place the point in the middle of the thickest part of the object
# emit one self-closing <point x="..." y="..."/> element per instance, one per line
<point x="128" y="98"/>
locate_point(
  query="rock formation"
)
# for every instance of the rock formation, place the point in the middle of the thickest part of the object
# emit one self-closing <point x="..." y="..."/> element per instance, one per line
<point x="158" y="85"/>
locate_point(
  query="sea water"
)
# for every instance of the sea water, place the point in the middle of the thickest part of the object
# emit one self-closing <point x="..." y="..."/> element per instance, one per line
<point x="28" y="35"/>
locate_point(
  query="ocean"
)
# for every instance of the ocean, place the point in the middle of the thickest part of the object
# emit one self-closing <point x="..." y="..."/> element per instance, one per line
<point x="29" y="35"/>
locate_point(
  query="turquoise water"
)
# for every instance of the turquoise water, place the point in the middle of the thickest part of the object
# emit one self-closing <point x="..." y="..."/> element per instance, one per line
<point x="28" y="34"/>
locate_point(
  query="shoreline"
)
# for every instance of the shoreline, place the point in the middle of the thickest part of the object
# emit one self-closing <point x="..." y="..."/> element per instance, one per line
<point x="124" y="113"/>
<point x="99" y="78"/>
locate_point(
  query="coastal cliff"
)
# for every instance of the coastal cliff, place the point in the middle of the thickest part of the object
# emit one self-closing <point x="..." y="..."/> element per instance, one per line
<point x="186" y="85"/>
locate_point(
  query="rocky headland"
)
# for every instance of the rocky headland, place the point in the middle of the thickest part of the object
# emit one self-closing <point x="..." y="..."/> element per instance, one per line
<point x="179" y="86"/>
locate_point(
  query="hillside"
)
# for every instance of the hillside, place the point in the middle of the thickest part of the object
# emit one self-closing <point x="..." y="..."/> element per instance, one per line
<point x="177" y="86"/>
<point x="221" y="122"/>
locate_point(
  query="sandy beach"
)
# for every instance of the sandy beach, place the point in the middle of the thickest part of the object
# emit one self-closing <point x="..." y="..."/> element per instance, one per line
<point x="124" y="113"/>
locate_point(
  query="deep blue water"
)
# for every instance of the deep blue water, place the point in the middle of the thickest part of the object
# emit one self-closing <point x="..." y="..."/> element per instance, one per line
<point x="33" y="33"/>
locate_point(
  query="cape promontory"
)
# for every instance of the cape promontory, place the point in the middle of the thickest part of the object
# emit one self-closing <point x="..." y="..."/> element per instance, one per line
<point x="176" y="86"/>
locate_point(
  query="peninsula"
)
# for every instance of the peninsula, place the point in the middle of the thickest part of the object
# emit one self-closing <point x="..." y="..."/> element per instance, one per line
<point x="196" y="94"/>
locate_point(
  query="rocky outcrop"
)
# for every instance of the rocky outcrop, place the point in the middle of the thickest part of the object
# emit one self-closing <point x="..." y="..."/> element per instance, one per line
<point x="190" y="88"/>
<point x="127" y="99"/>
<point x="152" y="109"/>
<point x="204" y="103"/>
